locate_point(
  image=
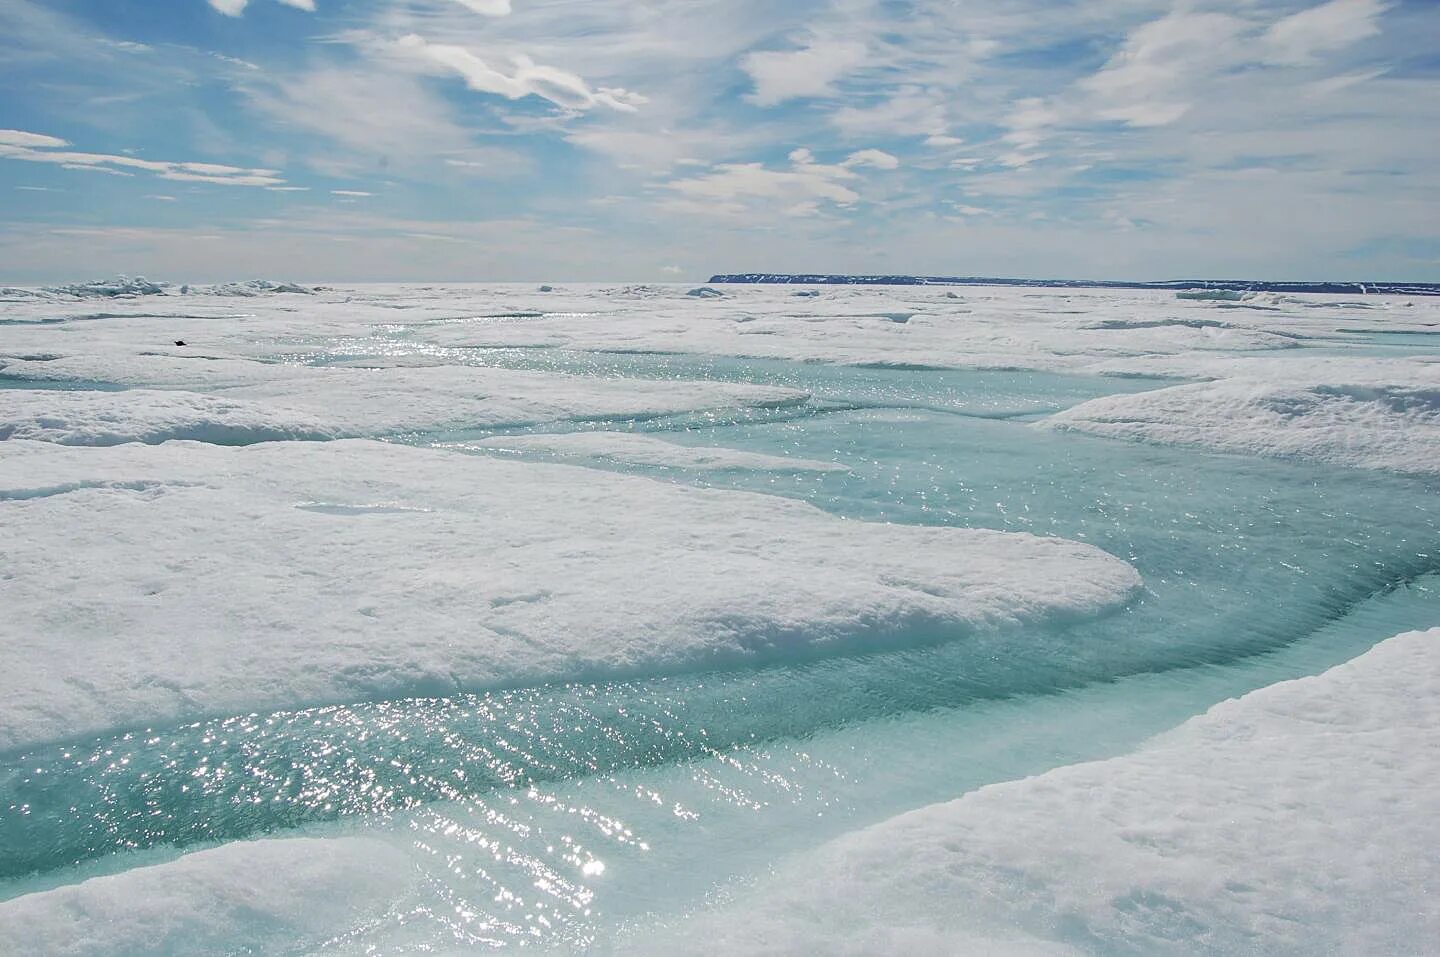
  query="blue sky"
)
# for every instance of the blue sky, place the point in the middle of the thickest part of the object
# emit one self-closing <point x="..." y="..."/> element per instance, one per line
<point x="528" y="140"/>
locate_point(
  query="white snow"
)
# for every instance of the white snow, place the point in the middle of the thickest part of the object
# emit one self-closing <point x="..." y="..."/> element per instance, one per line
<point x="266" y="896"/>
<point x="177" y="580"/>
<point x="1098" y="331"/>
<point x="121" y="286"/>
<point x="142" y="415"/>
<point x="1369" y="421"/>
<point x="376" y="401"/>
<point x="630" y="448"/>
<point x="366" y="401"/>
<point x="1300" y="819"/>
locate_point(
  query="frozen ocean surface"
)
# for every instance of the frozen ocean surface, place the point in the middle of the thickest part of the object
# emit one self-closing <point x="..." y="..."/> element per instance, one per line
<point x="409" y="619"/>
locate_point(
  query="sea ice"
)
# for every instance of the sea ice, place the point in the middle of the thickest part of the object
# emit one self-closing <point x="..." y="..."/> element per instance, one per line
<point x="375" y="401"/>
<point x="1369" y="421"/>
<point x="143" y="415"/>
<point x="180" y="580"/>
<point x="267" y="896"/>
<point x="629" y="448"/>
<point x="1302" y="818"/>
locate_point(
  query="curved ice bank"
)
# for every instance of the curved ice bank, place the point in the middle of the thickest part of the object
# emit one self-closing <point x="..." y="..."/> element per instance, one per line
<point x="358" y="402"/>
<point x="1302" y="818"/>
<point x="1375" y="425"/>
<point x="146" y="584"/>
<point x="267" y="896"/>
<point x="629" y="448"/>
<point x="110" y="418"/>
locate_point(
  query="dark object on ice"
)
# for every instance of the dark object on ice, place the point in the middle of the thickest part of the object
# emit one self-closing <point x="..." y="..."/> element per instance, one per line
<point x="179" y="342"/>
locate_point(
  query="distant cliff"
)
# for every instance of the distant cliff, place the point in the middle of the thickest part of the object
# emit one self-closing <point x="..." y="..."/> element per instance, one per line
<point x="1238" y="285"/>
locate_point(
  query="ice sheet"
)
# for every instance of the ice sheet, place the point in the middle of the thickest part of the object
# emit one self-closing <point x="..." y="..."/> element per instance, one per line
<point x="1368" y="421"/>
<point x="1077" y="330"/>
<point x="267" y="896"/>
<point x="358" y="402"/>
<point x="1299" y="819"/>
<point x="633" y="449"/>
<point x="183" y="579"/>
<point x="143" y="415"/>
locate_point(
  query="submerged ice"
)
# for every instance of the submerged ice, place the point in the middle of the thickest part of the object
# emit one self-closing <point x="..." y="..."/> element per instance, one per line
<point x="669" y="595"/>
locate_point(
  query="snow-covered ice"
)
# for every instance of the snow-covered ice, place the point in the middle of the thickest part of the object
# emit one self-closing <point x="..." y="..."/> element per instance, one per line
<point x="277" y="896"/>
<point x="145" y="415"/>
<point x="370" y="401"/>
<point x="185" y="580"/>
<point x="697" y="706"/>
<point x="633" y="449"/>
<point x="1366" y="422"/>
<point x="1300" y="819"/>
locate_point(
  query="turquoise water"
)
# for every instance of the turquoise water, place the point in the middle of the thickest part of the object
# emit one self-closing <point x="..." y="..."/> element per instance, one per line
<point x="1255" y="571"/>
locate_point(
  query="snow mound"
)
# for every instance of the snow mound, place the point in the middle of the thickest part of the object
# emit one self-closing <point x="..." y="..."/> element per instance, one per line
<point x="117" y="288"/>
<point x="405" y="397"/>
<point x="267" y="896"/>
<point x="705" y="292"/>
<point x="166" y="582"/>
<point x="1215" y="295"/>
<point x="1374" y="426"/>
<point x="1300" y="819"/>
<point x="110" y="418"/>
<point x="397" y="399"/>
<point x="250" y="288"/>
<point x="629" y="448"/>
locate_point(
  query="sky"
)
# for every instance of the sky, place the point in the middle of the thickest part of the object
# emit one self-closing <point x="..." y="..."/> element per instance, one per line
<point x="648" y="140"/>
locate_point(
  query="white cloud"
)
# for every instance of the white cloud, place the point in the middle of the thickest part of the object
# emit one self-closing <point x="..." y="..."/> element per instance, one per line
<point x="876" y="158"/>
<point x="560" y="87"/>
<point x="350" y="192"/>
<point x="81" y="168"/>
<point x="1299" y="38"/>
<point x="233" y="8"/>
<point x="375" y="114"/>
<point x="43" y="150"/>
<point x="781" y="75"/>
<point x="490" y="8"/>
<point x="30" y="140"/>
<point x="912" y="111"/>
<point x="1029" y="122"/>
<point x="161" y="198"/>
<point x="1019" y="160"/>
<point x="1151" y="81"/>
<point x="797" y="191"/>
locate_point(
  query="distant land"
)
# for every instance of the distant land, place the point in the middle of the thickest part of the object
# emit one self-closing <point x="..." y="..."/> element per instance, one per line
<point x="1230" y="285"/>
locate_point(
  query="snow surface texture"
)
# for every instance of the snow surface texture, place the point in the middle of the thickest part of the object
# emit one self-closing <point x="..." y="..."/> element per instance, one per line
<point x="629" y="448"/>
<point x="1375" y="425"/>
<point x="186" y="579"/>
<point x="109" y="418"/>
<point x="1092" y="331"/>
<point x="268" y="896"/>
<point x="352" y="402"/>
<point x="126" y="287"/>
<point x="1300" y="819"/>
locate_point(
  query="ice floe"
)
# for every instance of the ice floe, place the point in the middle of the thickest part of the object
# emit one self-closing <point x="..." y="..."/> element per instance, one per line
<point x="1302" y="818"/>
<point x="268" y="896"/>
<point x="1363" y="421"/>
<point x="120" y="287"/>
<point x="143" y="415"/>
<point x="178" y="580"/>
<point x="634" y="449"/>
<point x="371" y="401"/>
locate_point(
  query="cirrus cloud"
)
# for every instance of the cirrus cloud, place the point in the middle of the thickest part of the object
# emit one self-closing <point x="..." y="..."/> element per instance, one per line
<point x="560" y="87"/>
